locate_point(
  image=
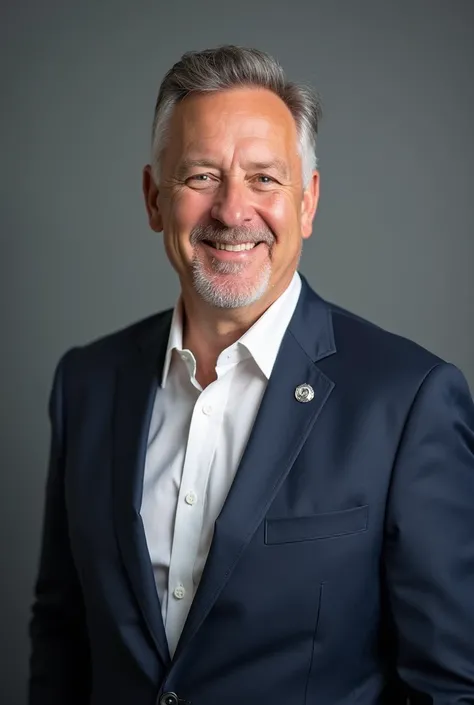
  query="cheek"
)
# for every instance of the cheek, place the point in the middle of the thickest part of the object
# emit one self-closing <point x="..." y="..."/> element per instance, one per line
<point x="280" y="213"/>
<point x="186" y="209"/>
<point x="183" y="210"/>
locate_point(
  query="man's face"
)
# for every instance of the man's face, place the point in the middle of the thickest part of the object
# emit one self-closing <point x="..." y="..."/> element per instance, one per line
<point x="231" y="201"/>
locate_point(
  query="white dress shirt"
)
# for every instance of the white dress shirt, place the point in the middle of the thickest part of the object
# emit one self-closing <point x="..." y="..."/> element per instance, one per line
<point x="195" y="442"/>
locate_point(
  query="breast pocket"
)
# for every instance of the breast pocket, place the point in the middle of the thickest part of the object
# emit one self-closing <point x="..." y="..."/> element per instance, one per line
<point x="317" y="526"/>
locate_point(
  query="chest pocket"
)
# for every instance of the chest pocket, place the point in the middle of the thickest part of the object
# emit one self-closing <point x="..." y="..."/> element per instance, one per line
<point x="317" y="526"/>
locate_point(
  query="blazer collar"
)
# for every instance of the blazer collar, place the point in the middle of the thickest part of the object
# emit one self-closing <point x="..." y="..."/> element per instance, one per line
<point x="312" y="325"/>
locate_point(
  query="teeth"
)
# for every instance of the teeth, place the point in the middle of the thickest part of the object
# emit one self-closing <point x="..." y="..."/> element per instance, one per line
<point x="234" y="248"/>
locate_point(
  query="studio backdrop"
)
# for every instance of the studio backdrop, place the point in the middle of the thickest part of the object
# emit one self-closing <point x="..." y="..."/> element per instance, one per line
<point x="393" y="239"/>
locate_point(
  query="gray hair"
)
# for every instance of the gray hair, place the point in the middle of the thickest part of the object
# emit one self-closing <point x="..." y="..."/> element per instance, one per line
<point x="230" y="67"/>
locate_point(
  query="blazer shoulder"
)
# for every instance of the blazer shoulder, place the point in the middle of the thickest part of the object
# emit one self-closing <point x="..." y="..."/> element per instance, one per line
<point x="377" y="347"/>
<point x="113" y="347"/>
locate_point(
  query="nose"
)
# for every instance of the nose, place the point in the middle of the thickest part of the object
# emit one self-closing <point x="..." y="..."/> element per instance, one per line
<point x="232" y="205"/>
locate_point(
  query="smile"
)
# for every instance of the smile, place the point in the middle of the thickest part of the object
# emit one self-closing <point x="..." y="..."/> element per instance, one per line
<point x="232" y="248"/>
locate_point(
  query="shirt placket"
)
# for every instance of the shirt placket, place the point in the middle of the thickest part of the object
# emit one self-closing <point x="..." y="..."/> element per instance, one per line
<point x="204" y="431"/>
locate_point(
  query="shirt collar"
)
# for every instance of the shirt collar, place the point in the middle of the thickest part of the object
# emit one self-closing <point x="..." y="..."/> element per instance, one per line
<point x="264" y="338"/>
<point x="175" y="339"/>
<point x="261" y="341"/>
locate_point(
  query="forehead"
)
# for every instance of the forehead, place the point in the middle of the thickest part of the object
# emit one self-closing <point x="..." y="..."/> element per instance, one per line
<point x="243" y="118"/>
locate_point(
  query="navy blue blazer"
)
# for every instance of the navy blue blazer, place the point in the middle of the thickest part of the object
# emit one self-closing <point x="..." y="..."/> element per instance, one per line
<point x="342" y="566"/>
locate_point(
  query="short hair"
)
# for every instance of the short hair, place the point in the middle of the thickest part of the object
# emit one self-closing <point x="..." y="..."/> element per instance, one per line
<point x="228" y="67"/>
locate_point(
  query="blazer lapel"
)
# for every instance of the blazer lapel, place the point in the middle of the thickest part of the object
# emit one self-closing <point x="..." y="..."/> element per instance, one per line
<point x="280" y="430"/>
<point x="136" y="386"/>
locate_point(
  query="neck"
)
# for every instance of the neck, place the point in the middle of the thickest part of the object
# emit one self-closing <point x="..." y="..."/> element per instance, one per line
<point x="207" y="330"/>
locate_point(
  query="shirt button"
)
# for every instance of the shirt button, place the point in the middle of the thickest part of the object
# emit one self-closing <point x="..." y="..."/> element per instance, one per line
<point x="179" y="592"/>
<point x="207" y="409"/>
<point x="191" y="498"/>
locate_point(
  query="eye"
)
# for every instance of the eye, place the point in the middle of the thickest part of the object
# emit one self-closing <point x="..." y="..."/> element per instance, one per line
<point x="199" y="181"/>
<point x="264" y="179"/>
<point x="200" y="177"/>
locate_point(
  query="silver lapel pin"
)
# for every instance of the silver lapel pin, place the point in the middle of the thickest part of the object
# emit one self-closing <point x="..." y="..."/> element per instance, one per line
<point x="304" y="393"/>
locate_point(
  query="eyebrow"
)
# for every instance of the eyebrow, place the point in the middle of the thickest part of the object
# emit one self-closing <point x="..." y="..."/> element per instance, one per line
<point x="187" y="164"/>
<point x="278" y="164"/>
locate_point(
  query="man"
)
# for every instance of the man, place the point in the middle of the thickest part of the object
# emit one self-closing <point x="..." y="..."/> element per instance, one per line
<point x="257" y="497"/>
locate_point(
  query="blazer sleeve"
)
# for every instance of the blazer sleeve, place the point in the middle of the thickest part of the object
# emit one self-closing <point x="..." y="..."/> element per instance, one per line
<point x="429" y="543"/>
<point x="59" y="659"/>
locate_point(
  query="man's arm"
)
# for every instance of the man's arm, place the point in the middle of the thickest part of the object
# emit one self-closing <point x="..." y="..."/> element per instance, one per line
<point x="429" y="547"/>
<point x="59" y="663"/>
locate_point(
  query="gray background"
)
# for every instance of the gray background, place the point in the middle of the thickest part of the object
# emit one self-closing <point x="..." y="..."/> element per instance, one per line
<point x="393" y="239"/>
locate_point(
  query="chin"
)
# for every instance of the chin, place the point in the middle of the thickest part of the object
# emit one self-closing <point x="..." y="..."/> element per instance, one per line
<point x="229" y="292"/>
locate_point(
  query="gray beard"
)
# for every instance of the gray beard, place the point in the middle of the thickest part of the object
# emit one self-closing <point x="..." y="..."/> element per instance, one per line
<point x="220" y="295"/>
<point x="209" y="284"/>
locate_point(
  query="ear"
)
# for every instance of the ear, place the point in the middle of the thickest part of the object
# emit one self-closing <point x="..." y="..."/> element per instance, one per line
<point x="309" y="205"/>
<point x="150" y="193"/>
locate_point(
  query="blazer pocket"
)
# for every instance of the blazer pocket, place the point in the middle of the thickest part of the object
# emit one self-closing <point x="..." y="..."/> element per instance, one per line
<point x="317" y="526"/>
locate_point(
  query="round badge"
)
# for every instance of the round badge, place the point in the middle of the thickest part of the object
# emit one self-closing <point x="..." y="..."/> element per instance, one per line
<point x="304" y="393"/>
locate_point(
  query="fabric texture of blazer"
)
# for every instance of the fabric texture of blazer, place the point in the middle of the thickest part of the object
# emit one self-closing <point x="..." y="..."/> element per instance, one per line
<point x="342" y="566"/>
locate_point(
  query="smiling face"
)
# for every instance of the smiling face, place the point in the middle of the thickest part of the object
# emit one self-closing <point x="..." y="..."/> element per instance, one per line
<point x="231" y="201"/>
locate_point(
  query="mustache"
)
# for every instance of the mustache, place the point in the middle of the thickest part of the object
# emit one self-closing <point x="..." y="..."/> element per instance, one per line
<point x="231" y="236"/>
